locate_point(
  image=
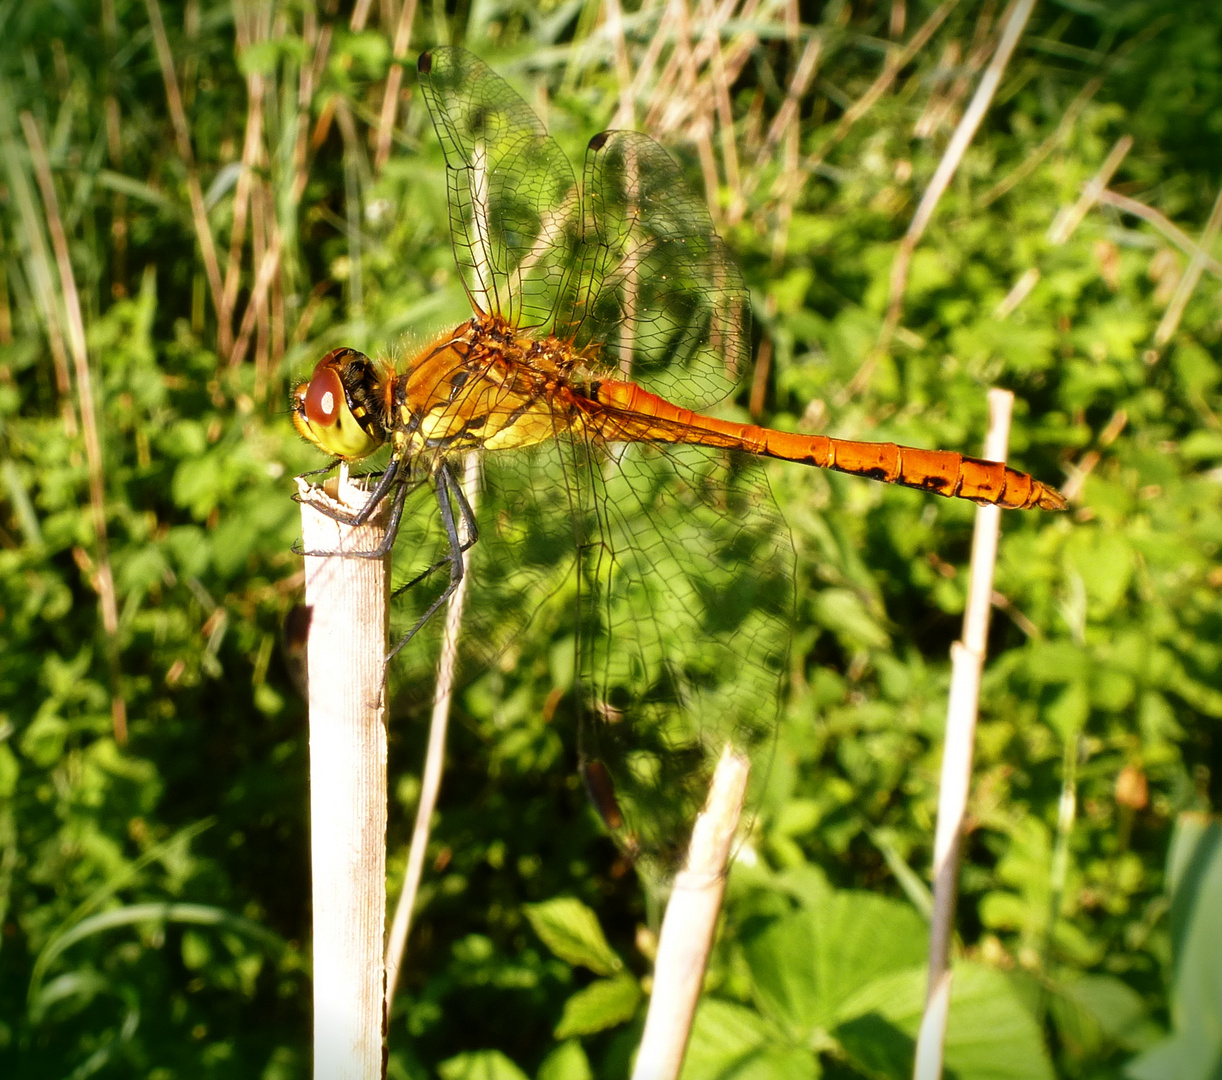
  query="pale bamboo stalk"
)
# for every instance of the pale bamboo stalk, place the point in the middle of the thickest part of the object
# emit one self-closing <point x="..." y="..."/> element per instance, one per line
<point x="434" y="763"/>
<point x="967" y="667"/>
<point x="89" y="419"/>
<point x="347" y="599"/>
<point x="1066" y="222"/>
<point x="1188" y="283"/>
<point x="690" y="922"/>
<point x="199" y="212"/>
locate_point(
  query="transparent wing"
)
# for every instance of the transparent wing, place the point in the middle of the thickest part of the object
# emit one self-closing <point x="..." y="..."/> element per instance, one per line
<point x="686" y="601"/>
<point x="514" y="204"/>
<point x="661" y="293"/>
<point x="523" y="555"/>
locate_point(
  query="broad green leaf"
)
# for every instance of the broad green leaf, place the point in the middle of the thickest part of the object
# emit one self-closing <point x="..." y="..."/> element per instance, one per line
<point x="480" y="1065"/>
<point x="601" y="1005"/>
<point x="567" y="1062"/>
<point x="571" y="931"/>
<point x="732" y="1041"/>
<point x="990" y="1034"/>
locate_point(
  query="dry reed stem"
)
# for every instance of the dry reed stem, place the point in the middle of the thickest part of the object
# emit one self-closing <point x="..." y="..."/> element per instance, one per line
<point x="625" y="113"/>
<point x="1065" y="224"/>
<point x="257" y="307"/>
<point x="38" y="262"/>
<point x="1019" y="12"/>
<point x="891" y="69"/>
<point x="1187" y="284"/>
<point x="251" y="152"/>
<point x="967" y="666"/>
<point x="347" y="600"/>
<point x="89" y="422"/>
<point x="1033" y="161"/>
<point x="1163" y="224"/>
<point x="394" y="83"/>
<point x="690" y="922"/>
<point x="199" y="212"/>
<point x="434" y="762"/>
<point x="1072" y="487"/>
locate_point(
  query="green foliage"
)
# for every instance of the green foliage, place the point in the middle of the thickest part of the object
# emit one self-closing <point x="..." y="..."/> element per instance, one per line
<point x="154" y="895"/>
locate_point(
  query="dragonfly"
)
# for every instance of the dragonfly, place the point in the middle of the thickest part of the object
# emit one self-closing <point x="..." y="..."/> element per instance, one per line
<point x="610" y="322"/>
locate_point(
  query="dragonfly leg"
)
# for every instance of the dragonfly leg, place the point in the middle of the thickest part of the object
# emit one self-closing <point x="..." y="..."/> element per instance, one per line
<point x="447" y="485"/>
<point x="470" y="527"/>
<point x="376" y="496"/>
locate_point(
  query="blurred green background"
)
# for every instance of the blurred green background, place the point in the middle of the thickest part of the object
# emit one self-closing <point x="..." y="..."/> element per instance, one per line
<point x="173" y="260"/>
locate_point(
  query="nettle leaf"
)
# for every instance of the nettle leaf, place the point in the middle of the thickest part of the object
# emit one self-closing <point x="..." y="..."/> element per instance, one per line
<point x="990" y="1034"/>
<point x="567" y="1062"/>
<point x="806" y="965"/>
<point x="481" y="1065"/>
<point x="571" y="931"/>
<point x="601" y="1005"/>
<point x="731" y="1040"/>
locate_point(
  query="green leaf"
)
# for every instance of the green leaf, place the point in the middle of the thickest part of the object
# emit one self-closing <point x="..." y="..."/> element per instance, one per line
<point x="990" y="1034"/>
<point x="571" y="931"/>
<point x="601" y="1005"/>
<point x="731" y="1040"/>
<point x="1194" y="880"/>
<point x="480" y="1065"/>
<point x="806" y="964"/>
<point x="567" y="1062"/>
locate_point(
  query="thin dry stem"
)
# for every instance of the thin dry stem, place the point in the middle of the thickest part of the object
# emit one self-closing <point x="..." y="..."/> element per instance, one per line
<point x="1033" y="161"/>
<point x="430" y="781"/>
<point x="1012" y="30"/>
<point x="89" y="420"/>
<point x="1067" y="221"/>
<point x="891" y="69"/>
<point x="1188" y="283"/>
<point x="967" y="666"/>
<point x="394" y="84"/>
<point x="199" y="212"/>
<point x="1163" y="224"/>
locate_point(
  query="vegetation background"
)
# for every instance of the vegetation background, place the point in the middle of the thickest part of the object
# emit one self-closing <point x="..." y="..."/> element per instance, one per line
<point x="198" y="199"/>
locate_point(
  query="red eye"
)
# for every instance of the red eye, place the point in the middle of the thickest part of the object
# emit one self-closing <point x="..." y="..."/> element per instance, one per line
<point x="324" y="397"/>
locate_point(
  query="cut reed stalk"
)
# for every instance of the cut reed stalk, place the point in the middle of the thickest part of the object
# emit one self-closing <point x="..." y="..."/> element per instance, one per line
<point x="967" y="667"/>
<point x="347" y="599"/>
<point x="690" y="922"/>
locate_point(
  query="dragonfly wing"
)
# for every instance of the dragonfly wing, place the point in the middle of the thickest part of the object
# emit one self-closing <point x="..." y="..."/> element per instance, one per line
<point x="514" y="204"/>
<point x="687" y="597"/>
<point x="661" y="290"/>
<point x="523" y="555"/>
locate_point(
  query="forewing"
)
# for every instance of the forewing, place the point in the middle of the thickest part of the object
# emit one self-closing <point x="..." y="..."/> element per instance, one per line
<point x="514" y="203"/>
<point x="661" y="292"/>
<point x="687" y="596"/>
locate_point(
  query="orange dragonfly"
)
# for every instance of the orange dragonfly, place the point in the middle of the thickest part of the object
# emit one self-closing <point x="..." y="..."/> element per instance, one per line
<point x="609" y="318"/>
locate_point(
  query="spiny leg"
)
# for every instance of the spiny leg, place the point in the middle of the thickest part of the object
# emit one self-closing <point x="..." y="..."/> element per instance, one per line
<point x="447" y="484"/>
<point x="470" y="527"/>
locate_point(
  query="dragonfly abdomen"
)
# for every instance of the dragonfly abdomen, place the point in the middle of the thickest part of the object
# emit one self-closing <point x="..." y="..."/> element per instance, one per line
<point x="943" y="472"/>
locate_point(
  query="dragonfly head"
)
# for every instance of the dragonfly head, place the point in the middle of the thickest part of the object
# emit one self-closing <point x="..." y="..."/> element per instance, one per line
<point x="338" y="410"/>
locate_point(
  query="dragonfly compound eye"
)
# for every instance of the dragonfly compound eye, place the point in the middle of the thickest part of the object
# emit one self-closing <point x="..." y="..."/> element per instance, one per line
<point x="324" y="398"/>
<point x="324" y="412"/>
